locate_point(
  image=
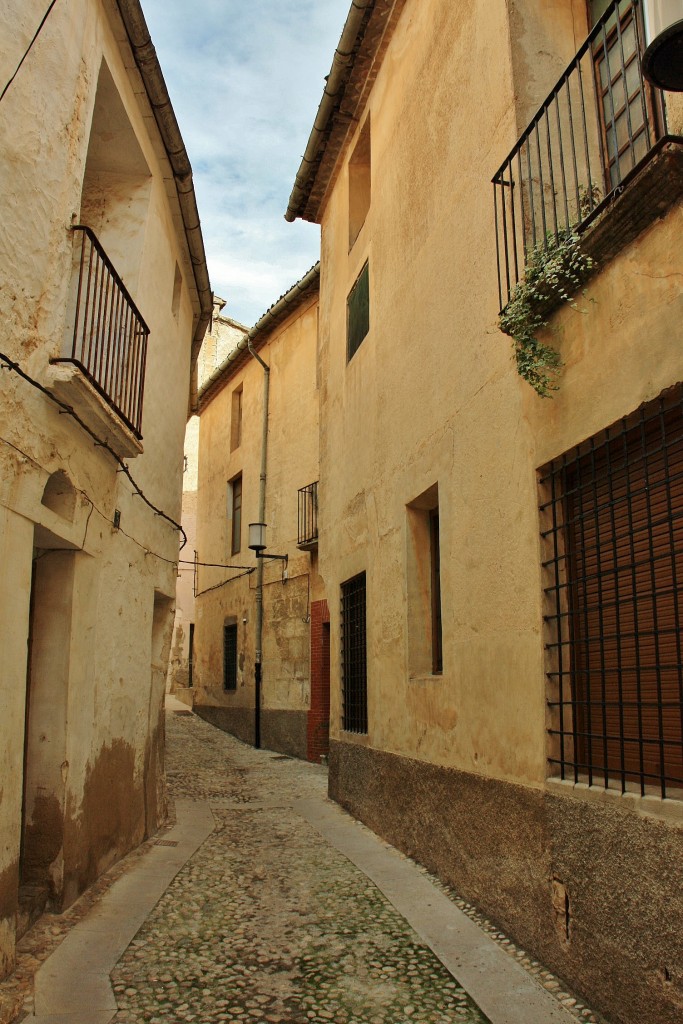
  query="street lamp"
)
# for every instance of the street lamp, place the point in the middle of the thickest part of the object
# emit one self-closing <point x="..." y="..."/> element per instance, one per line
<point x="257" y="542"/>
<point x="663" y="57"/>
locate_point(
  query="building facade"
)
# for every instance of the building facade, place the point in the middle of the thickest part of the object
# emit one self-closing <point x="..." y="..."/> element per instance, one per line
<point x="105" y="299"/>
<point x="503" y="568"/>
<point x="262" y="640"/>
<point x="223" y="335"/>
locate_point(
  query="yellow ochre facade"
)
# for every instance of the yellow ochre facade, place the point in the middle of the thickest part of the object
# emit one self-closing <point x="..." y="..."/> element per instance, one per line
<point x="291" y="714"/>
<point x="456" y="734"/>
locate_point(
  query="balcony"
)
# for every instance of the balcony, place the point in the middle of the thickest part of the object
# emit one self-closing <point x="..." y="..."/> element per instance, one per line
<point x="596" y="159"/>
<point x="107" y="349"/>
<point x="308" y="517"/>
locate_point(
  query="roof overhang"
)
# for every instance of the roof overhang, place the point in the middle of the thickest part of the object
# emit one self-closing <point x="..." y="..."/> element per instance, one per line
<point x="288" y="304"/>
<point x="149" y="68"/>
<point x="356" y="63"/>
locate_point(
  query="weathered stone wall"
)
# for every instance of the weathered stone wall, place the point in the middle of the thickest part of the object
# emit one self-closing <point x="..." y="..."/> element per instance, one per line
<point x="99" y="611"/>
<point x="292" y="463"/>
<point x="511" y="849"/>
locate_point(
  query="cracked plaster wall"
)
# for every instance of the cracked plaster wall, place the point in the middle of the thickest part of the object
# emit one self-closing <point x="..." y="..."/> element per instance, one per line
<point x="109" y="775"/>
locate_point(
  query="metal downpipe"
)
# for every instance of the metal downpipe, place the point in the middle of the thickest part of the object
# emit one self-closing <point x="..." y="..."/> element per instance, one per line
<point x="258" y="656"/>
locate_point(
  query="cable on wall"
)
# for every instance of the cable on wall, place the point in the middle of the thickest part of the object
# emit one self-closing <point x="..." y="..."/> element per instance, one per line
<point x="99" y="443"/>
<point x="30" y="46"/>
<point x="96" y="508"/>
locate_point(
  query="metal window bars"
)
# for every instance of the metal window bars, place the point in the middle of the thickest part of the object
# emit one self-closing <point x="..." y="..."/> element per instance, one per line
<point x="596" y="126"/>
<point x="109" y="343"/>
<point x="612" y="530"/>
<point x="354" y="655"/>
<point x="308" y="515"/>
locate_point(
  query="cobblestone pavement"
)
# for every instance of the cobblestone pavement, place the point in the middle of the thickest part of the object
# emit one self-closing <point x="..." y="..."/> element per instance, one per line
<point x="267" y="922"/>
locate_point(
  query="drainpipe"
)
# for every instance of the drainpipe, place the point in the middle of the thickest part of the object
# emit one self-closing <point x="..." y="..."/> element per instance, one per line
<point x="259" y="568"/>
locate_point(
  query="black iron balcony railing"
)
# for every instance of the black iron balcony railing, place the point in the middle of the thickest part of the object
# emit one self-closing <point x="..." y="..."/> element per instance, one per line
<point x="596" y="126"/>
<point x="109" y="342"/>
<point x="308" y="516"/>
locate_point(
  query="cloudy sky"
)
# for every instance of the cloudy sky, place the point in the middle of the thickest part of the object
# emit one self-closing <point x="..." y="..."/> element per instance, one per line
<point x="246" y="78"/>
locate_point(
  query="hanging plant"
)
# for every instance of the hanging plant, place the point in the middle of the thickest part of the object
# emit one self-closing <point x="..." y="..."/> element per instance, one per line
<point x="554" y="273"/>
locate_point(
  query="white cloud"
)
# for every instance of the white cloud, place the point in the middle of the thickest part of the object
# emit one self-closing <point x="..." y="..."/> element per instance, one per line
<point x="245" y="78"/>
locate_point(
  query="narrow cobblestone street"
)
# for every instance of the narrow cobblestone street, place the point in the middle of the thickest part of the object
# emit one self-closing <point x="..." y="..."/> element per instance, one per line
<point x="267" y="922"/>
<point x="265" y="902"/>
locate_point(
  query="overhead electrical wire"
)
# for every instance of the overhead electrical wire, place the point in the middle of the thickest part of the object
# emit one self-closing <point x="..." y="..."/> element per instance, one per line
<point x="28" y="50"/>
<point x="99" y="443"/>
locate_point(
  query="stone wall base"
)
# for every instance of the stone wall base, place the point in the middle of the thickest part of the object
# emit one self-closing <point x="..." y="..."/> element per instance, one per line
<point x="594" y="891"/>
<point x="282" y="731"/>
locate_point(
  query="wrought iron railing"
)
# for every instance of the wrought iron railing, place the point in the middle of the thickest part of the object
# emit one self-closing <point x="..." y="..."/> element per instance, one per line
<point x="594" y="128"/>
<point x="109" y="343"/>
<point x="308" y="515"/>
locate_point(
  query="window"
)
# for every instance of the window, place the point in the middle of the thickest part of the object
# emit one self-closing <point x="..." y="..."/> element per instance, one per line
<point x="613" y="529"/>
<point x="236" y="423"/>
<point x="425" y="649"/>
<point x="235" y="512"/>
<point x="190" y="657"/>
<point x="359" y="184"/>
<point x="354" y="655"/>
<point x="230" y="657"/>
<point x="177" y="291"/>
<point x="358" y="313"/>
<point x="435" y="567"/>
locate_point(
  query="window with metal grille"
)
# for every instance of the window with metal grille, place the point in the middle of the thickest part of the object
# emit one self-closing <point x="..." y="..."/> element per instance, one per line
<point x="354" y="655"/>
<point x="358" y="313"/>
<point x="230" y="657"/>
<point x="612" y="528"/>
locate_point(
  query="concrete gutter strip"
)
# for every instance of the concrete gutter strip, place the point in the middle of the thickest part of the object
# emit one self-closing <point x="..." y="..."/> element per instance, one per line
<point x="73" y="985"/>
<point x="341" y="63"/>
<point x="499" y="985"/>
<point x="278" y="312"/>
<point x="160" y="101"/>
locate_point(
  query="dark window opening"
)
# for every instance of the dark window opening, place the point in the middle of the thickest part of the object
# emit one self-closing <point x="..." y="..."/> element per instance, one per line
<point x="230" y="657"/>
<point x="354" y="655"/>
<point x="236" y="540"/>
<point x="190" y="657"/>
<point x="358" y="312"/>
<point x="435" y="559"/>
<point x="613" y="534"/>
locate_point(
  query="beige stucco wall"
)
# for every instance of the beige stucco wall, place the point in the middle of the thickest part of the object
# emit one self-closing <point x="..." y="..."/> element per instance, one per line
<point x="290" y="352"/>
<point x="219" y="342"/>
<point x="453" y="768"/>
<point x="98" y="789"/>
<point x="431" y="396"/>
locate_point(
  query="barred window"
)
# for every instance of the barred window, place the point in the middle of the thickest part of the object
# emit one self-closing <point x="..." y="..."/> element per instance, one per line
<point x="354" y="655"/>
<point x="612" y="529"/>
<point x="230" y="657"/>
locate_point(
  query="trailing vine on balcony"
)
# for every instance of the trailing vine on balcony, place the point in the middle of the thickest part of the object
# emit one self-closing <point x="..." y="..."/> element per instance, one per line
<point x="554" y="273"/>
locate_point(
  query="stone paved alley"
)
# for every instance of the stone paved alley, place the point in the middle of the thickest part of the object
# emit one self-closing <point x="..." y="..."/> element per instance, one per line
<point x="269" y="921"/>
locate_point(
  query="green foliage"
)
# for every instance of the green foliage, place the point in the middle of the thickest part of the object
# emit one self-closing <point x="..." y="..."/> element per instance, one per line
<point x="555" y="270"/>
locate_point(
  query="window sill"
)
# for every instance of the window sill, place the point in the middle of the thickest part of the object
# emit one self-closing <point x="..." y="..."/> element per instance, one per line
<point x="426" y="677"/>
<point x="669" y="810"/>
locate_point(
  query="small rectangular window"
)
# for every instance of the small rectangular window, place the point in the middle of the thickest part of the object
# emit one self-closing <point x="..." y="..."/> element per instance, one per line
<point x="236" y="515"/>
<point x="177" y="289"/>
<point x="435" y="560"/>
<point x="359" y="183"/>
<point x="358" y="312"/>
<point x="230" y="657"/>
<point x="425" y="648"/>
<point x="354" y="655"/>
<point x="236" y="424"/>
